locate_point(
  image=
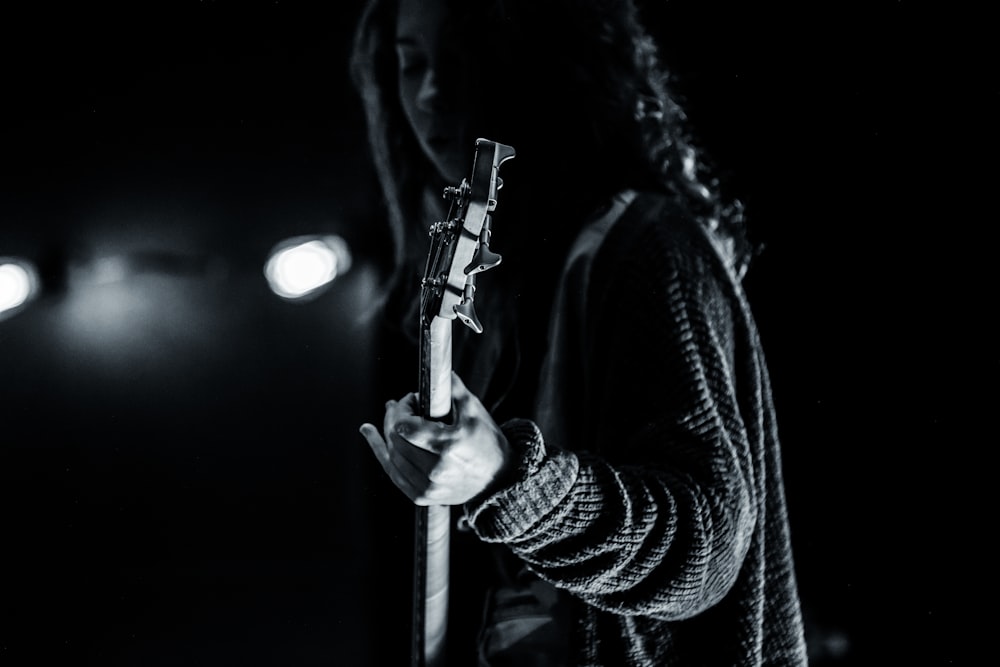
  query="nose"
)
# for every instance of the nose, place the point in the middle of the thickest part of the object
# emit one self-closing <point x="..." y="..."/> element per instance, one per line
<point x="431" y="96"/>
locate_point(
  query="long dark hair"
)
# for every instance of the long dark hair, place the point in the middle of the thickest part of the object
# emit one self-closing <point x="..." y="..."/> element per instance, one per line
<point x="594" y="114"/>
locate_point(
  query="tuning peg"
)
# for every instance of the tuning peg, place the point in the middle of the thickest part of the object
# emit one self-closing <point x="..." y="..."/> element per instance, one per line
<point x="483" y="260"/>
<point x="466" y="311"/>
<point x="467" y="314"/>
<point x="491" y="203"/>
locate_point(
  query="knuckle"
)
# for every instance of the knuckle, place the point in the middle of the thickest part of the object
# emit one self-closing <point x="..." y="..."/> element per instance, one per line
<point x="438" y="474"/>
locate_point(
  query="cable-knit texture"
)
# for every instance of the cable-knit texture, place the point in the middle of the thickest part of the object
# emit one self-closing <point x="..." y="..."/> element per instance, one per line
<point x="649" y="487"/>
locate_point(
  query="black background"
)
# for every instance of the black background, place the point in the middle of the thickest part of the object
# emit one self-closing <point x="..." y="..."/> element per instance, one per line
<point x="182" y="482"/>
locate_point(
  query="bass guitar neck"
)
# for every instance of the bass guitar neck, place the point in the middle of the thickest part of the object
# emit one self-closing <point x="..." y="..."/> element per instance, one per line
<point x="433" y="523"/>
<point x="460" y="250"/>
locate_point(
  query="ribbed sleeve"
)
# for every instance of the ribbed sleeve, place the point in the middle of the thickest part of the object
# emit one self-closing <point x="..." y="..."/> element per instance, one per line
<point x="541" y="482"/>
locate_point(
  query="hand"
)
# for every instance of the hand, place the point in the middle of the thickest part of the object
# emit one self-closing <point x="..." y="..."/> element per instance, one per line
<point x="438" y="463"/>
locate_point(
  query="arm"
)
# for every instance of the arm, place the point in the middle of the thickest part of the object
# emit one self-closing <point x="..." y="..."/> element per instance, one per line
<point x="658" y="522"/>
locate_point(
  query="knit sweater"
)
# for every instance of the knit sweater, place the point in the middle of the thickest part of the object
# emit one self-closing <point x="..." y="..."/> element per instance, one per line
<point x="648" y="488"/>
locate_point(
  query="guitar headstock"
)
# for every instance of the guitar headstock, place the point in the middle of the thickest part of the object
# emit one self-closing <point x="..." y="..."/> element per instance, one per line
<point x="460" y="245"/>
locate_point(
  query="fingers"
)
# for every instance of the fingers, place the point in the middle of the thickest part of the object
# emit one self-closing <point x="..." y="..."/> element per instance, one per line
<point x="403" y="423"/>
<point x="402" y="473"/>
<point x="429" y="436"/>
<point x="458" y="388"/>
<point x="411" y="469"/>
<point x="377" y="444"/>
<point x="466" y="404"/>
<point x="435" y="462"/>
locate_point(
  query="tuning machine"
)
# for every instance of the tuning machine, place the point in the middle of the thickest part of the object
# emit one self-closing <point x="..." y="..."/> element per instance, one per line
<point x="459" y="193"/>
<point x="466" y="310"/>
<point x="484" y="258"/>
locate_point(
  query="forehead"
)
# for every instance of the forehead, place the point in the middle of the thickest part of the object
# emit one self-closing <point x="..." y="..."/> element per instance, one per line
<point x="421" y="20"/>
<point x="434" y="21"/>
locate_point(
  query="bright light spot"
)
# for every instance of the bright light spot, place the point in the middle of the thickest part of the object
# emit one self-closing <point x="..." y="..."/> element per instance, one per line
<point x="18" y="284"/>
<point x="300" y="267"/>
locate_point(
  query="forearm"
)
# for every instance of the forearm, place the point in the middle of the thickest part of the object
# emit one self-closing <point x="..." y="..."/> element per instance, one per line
<point x="629" y="539"/>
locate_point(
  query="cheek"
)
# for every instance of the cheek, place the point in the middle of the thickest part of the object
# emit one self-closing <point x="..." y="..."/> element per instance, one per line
<point x="407" y="96"/>
<point x="414" y="115"/>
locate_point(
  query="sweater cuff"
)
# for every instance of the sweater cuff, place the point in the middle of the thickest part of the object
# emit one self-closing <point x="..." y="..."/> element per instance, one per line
<point x="540" y="482"/>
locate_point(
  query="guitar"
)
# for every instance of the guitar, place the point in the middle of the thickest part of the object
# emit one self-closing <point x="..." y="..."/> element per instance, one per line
<point x="460" y="250"/>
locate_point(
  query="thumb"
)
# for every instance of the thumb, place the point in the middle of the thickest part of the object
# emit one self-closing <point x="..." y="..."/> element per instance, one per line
<point x="458" y="388"/>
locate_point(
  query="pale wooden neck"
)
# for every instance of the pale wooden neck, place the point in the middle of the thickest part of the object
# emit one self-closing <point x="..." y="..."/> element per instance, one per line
<point x="436" y="366"/>
<point x="433" y="527"/>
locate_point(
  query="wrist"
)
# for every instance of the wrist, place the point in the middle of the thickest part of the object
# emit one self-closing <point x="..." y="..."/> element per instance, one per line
<point x="505" y="474"/>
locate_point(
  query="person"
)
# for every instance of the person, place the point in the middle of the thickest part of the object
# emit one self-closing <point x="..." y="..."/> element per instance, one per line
<point x="613" y="449"/>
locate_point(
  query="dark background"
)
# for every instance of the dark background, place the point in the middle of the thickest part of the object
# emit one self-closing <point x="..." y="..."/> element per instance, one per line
<point x="182" y="481"/>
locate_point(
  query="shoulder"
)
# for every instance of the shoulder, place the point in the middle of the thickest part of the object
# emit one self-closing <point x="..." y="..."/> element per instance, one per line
<point x="653" y="235"/>
<point x="659" y="263"/>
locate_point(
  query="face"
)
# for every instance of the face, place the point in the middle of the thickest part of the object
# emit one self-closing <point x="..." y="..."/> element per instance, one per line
<point x="433" y="86"/>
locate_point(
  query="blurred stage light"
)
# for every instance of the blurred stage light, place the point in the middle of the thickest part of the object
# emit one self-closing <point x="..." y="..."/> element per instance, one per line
<point x="18" y="285"/>
<point x="135" y="313"/>
<point x="302" y="267"/>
